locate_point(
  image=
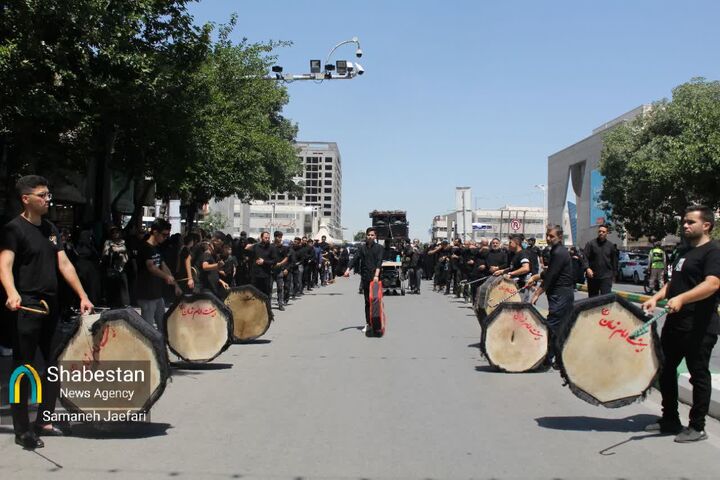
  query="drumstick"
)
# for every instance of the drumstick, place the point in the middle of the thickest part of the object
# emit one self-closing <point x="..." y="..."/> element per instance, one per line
<point x="643" y="329"/>
<point x="465" y="282"/>
<point x="35" y="310"/>
<point x="194" y="271"/>
<point x="510" y="296"/>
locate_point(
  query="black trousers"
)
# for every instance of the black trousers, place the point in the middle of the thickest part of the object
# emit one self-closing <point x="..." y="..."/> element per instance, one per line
<point x="264" y="284"/>
<point x="560" y="307"/>
<point x="366" y="294"/>
<point x="31" y="331"/>
<point x="695" y="348"/>
<point x="599" y="286"/>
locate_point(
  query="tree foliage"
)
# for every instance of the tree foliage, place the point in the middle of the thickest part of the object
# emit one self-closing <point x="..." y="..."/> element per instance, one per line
<point x="359" y="236"/>
<point x="137" y="87"/>
<point x="664" y="160"/>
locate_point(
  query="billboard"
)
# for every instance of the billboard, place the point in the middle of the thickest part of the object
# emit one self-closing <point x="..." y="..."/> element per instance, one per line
<point x="598" y="216"/>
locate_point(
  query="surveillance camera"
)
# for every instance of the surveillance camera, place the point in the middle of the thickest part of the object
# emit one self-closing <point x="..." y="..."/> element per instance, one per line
<point x="359" y="68"/>
<point x="358" y="52"/>
<point x="350" y="67"/>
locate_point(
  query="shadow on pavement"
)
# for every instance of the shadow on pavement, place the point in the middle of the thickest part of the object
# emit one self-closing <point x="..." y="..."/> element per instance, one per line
<point x="120" y="430"/>
<point x="358" y="327"/>
<point x="259" y="341"/>
<point x="200" y="366"/>
<point x="635" y="423"/>
<point x="474" y="345"/>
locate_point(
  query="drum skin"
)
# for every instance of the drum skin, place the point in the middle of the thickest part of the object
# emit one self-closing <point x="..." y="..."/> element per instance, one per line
<point x="198" y="327"/>
<point x="600" y="362"/>
<point x="250" y="311"/>
<point x="515" y="338"/>
<point x="115" y="335"/>
<point x="490" y="293"/>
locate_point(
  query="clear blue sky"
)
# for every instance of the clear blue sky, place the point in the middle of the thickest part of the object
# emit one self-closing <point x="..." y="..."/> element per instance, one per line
<point x="472" y="93"/>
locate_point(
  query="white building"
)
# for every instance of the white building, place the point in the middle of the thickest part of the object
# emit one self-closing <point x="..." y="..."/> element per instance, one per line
<point x="322" y="184"/>
<point x="491" y="223"/>
<point x="258" y="216"/>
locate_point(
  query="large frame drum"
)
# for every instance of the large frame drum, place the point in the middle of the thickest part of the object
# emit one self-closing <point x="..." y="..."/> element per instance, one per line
<point x="601" y="363"/>
<point x="115" y="337"/>
<point x="251" y="313"/>
<point x="198" y="327"/>
<point x="492" y="291"/>
<point x="515" y="338"/>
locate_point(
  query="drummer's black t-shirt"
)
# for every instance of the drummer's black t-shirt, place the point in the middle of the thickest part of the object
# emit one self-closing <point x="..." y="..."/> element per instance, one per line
<point x="689" y="270"/>
<point x="36" y="247"/>
<point x="149" y="286"/>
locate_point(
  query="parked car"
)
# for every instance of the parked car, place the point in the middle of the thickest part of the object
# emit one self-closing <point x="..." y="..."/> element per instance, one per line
<point x="632" y="266"/>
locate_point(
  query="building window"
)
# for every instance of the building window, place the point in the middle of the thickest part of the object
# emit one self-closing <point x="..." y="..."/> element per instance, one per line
<point x="326" y="214"/>
<point x="328" y="206"/>
<point x="328" y="190"/>
<point x="328" y="199"/>
<point x="328" y="159"/>
<point x="328" y="174"/>
<point x="328" y="167"/>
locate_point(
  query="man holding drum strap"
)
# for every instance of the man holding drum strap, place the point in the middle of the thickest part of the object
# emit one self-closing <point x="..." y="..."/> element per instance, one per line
<point x="31" y="256"/>
<point x="368" y="260"/>
<point x="559" y="286"/>
<point x="692" y="325"/>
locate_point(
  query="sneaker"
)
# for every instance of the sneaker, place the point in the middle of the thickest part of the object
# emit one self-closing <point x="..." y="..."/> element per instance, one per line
<point x="281" y="307"/>
<point x="365" y="328"/>
<point x="660" y="427"/>
<point x="689" y="434"/>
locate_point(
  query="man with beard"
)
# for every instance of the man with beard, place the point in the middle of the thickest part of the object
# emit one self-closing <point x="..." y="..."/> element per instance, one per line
<point x="368" y="259"/>
<point x="557" y="283"/>
<point x="280" y="269"/>
<point x="496" y="258"/>
<point x="602" y="263"/>
<point x="521" y="266"/>
<point x="297" y="267"/>
<point x="692" y="325"/>
<point x="264" y="257"/>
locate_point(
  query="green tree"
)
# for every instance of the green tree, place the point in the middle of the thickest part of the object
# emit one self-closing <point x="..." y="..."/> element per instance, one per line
<point x="661" y="162"/>
<point x="359" y="236"/>
<point x="241" y="144"/>
<point x="214" y="221"/>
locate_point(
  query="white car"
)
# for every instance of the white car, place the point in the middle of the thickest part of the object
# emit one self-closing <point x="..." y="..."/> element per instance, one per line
<point x="633" y="266"/>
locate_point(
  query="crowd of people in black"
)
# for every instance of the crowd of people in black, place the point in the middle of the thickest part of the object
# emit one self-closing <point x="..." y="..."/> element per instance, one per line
<point x="150" y="268"/>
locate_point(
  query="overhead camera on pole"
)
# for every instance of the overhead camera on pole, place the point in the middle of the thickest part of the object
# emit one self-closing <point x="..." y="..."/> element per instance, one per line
<point x="343" y="69"/>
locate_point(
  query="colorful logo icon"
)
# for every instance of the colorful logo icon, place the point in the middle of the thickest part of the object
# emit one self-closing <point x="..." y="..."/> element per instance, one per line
<point x="35" y="384"/>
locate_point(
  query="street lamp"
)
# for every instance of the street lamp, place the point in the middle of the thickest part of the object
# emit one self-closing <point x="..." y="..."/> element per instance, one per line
<point x="545" y="201"/>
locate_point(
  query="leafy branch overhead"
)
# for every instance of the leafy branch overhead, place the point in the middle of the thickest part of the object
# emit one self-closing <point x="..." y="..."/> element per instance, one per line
<point x="664" y="160"/>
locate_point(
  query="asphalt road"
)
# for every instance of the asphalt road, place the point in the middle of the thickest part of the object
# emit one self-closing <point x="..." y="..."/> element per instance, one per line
<point x="319" y="400"/>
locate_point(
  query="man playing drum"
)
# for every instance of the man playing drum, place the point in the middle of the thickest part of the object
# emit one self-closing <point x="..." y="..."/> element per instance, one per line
<point x="692" y="325"/>
<point x="31" y="255"/>
<point x="559" y="286"/>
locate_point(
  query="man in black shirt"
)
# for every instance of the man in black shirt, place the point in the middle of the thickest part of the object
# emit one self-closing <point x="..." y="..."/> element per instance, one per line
<point x="520" y="267"/>
<point x="264" y="257"/>
<point x="602" y="263"/>
<point x="692" y="325"/>
<point x="368" y="259"/>
<point x="496" y="258"/>
<point x="31" y="256"/>
<point x="557" y="283"/>
<point x="297" y="267"/>
<point x="280" y="269"/>
<point x="153" y="274"/>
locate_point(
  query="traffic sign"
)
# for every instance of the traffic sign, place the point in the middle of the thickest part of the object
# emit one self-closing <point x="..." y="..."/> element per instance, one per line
<point x="515" y="224"/>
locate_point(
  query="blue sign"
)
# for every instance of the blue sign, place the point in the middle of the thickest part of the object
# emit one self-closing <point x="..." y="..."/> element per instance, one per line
<point x="598" y="216"/>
